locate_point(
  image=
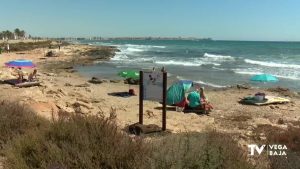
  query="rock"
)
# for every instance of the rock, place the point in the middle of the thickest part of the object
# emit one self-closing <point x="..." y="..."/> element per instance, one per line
<point x="68" y="84"/>
<point x="115" y="81"/>
<point x="272" y="107"/>
<point x="243" y="86"/>
<point x="95" y="80"/>
<point x="51" y="54"/>
<point x="150" y="113"/>
<point x="62" y="92"/>
<point x="105" y="80"/>
<point x="132" y="81"/>
<point x="83" y="100"/>
<point x="81" y="110"/>
<point x="82" y="104"/>
<point x="71" y="71"/>
<point x="69" y="67"/>
<point x="88" y="90"/>
<point x="280" y="121"/>
<point x="75" y="94"/>
<point x="83" y="85"/>
<point x="51" y="92"/>
<point x="50" y="74"/>
<point x="64" y="108"/>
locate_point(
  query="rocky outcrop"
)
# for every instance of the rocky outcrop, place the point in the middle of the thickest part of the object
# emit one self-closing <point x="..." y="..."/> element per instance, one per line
<point x="95" y="80"/>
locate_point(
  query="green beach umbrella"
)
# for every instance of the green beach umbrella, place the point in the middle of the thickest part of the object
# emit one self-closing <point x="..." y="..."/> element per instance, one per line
<point x="129" y="74"/>
<point x="264" y="78"/>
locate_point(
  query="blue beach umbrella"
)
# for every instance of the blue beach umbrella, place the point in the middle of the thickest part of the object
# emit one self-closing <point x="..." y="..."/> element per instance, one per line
<point x="264" y="78"/>
<point x="21" y="63"/>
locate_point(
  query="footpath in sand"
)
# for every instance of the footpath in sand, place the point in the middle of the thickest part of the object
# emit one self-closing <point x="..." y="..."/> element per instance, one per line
<point x="63" y="90"/>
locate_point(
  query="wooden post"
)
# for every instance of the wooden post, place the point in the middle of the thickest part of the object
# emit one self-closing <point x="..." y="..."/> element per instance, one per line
<point x="141" y="98"/>
<point x="164" y="110"/>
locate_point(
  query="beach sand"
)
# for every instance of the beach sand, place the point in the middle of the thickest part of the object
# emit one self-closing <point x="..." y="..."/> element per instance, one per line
<point x="65" y="89"/>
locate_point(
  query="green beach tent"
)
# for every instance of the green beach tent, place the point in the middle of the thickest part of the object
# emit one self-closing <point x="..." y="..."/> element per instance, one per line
<point x="176" y="92"/>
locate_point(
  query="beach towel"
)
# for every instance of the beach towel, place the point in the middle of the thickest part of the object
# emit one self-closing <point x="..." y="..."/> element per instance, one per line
<point x="121" y="94"/>
<point x="268" y="100"/>
<point x="25" y="83"/>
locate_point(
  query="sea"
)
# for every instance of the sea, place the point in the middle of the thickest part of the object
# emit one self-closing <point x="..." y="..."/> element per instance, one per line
<point x="209" y="62"/>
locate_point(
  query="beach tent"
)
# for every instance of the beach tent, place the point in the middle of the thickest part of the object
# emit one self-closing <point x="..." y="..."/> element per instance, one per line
<point x="176" y="92"/>
<point x="264" y="78"/>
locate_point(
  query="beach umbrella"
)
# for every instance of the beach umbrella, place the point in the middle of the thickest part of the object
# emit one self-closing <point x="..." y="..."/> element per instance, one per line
<point x="264" y="78"/>
<point x="176" y="92"/>
<point x="21" y="63"/>
<point x="129" y="74"/>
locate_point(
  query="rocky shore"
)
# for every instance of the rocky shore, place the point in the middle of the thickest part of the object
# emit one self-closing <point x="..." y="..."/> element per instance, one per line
<point x="63" y="91"/>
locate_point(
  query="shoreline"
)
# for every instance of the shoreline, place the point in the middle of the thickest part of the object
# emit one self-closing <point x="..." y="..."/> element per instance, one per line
<point x="65" y="90"/>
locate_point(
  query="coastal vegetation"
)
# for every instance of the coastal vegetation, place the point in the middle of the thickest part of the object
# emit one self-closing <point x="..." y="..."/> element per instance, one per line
<point x="29" y="141"/>
<point x="16" y="34"/>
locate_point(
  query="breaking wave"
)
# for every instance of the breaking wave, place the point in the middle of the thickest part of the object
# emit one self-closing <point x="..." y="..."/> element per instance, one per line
<point x="272" y="64"/>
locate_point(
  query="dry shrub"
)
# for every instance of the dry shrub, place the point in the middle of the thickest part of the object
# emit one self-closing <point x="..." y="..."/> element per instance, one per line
<point x="15" y="120"/>
<point x="290" y="138"/>
<point x="81" y="142"/>
<point x="210" y="150"/>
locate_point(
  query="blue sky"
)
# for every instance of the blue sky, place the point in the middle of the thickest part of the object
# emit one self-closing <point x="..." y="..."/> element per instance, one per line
<point x="218" y="19"/>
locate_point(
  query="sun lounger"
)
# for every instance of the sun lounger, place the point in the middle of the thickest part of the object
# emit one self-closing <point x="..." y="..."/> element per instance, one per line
<point x="268" y="100"/>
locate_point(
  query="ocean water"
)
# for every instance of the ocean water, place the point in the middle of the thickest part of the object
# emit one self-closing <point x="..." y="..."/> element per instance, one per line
<point x="213" y="63"/>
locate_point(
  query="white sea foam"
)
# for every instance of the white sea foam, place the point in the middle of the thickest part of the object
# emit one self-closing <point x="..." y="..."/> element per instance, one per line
<point x="216" y="68"/>
<point x="119" y="56"/>
<point x="204" y="83"/>
<point x="134" y="50"/>
<point x="218" y="57"/>
<point x="272" y="64"/>
<point x="283" y="75"/>
<point x="210" y="84"/>
<point x="183" y="63"/>
<point x="247" y="72"/>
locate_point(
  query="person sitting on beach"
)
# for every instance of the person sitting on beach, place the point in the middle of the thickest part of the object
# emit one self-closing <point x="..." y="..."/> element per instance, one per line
<point x="204" y="102"/>
<point x="32" y="75"/>
<point x="194" y="100"/>
<point x="197" y="100"/>
<point x="20" y="75"/>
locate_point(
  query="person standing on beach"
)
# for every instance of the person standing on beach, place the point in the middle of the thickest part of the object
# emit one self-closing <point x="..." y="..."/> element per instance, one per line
<point x="7" y="47"/>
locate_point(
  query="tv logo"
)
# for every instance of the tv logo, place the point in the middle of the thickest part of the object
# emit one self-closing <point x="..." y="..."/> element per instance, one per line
<point x="271" y="150"/>
<point x="254" y="147"/>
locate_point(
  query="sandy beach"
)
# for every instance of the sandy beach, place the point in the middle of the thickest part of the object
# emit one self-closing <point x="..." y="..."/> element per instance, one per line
<point x="64" y="90"/>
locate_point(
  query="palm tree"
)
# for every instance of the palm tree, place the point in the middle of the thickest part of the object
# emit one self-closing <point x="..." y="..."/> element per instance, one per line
<point x="17" y="32"/>
<point x="22" y="33"/>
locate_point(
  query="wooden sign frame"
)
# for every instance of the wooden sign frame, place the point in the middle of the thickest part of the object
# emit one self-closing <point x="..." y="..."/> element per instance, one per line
<point x="164" y="96"/>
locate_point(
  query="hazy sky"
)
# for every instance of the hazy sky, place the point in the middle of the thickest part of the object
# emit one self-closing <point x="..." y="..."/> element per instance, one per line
<point x="218" y="19"/>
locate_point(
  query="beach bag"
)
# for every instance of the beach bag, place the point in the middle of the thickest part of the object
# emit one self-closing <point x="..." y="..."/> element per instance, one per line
<point x="131" y="92"/>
